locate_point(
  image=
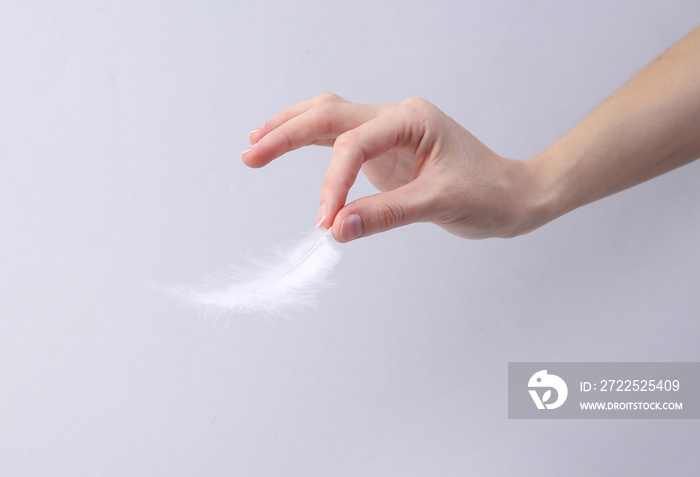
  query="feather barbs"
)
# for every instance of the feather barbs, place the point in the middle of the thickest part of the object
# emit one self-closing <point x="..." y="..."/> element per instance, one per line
<point x="287" y="280"/>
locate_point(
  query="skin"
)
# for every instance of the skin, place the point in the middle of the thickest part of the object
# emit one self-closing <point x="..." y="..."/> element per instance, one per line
<point x="428" y="168"/>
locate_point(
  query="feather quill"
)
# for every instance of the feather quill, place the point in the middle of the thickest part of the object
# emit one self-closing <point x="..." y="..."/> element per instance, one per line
<point x="288" y="279"/>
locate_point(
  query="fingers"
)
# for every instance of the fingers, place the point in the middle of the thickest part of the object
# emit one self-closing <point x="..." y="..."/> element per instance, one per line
<point x="413" y="202"/>
<point x="292" y="112"/>
<point x="318" y="124"/>
<point x="350" y="151"/>
<point x="358" y="133"/>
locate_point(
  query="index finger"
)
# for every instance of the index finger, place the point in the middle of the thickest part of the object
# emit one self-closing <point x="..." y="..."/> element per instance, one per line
<point x="320" y="124"/>
<point x="283" y="116"/>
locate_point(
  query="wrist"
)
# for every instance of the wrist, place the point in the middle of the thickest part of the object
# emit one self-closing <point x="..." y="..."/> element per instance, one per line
<point x="548" y="197"/>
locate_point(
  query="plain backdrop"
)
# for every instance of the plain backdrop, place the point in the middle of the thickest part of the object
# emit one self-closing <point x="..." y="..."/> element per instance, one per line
<point x="121" y="125"/>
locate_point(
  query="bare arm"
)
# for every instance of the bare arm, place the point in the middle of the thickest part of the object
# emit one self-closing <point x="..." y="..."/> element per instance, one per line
<point x="651" y="125"/>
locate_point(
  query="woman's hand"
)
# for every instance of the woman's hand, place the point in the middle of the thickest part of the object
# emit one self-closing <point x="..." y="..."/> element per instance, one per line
<point x="427" y="167"/>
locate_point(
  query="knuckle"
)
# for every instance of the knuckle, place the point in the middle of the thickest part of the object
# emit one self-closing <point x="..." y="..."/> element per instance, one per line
<point x="327" y="97"/>
<point x="389" y="215"/>
<point x="421" y="108"/>
<point x="425" y="116"/>
<point x="346" y="140"/>
<point x="416" y="103"/>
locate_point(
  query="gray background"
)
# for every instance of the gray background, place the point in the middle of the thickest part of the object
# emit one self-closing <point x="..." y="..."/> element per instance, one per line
<point x="120" y="129"/>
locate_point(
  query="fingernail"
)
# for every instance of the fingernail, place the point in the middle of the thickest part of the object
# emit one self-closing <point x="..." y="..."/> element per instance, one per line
<point x="322" y="213"/>
<point x="248" y="150"/>
<point x="254" y="131"/>
<point x="351" y="228"/>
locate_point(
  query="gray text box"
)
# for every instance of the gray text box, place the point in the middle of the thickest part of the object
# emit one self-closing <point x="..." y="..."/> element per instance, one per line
<point x="601" y="390"/>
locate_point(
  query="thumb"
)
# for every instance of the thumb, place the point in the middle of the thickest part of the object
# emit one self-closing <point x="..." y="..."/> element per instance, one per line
<point x="381" y="212"/>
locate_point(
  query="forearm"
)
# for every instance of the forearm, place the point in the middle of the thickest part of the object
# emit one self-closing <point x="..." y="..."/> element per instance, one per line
<point x="651" y="125"/>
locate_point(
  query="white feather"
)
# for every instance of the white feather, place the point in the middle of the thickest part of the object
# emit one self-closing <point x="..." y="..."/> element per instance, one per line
<point x="287" y="280"/>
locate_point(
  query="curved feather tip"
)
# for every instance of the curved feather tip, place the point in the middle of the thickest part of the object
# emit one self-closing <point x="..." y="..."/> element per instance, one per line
<point x="287" y="280"/>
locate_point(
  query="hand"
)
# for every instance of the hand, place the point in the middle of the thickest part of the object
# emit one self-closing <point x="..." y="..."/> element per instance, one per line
<point x="427" y="167"/>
